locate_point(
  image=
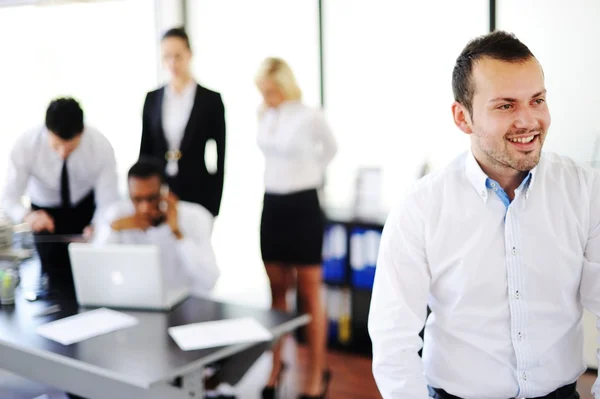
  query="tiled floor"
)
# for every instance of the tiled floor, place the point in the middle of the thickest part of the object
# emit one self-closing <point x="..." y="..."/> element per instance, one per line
<point x="352" y="379"/>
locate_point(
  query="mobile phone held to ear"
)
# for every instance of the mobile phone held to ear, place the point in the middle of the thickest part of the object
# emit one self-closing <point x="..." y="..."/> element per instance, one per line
<point x="164" y="194"/>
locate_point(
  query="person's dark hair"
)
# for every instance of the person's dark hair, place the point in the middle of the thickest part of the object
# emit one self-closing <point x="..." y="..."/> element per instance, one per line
<point x="178" y="33"/>
<point x="64" y="117"/>
<point x="498" y="45"/>
<point x="147" y="167"/>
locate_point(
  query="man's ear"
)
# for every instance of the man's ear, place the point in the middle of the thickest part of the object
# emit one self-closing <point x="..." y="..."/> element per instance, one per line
<point x="462" y="118"/>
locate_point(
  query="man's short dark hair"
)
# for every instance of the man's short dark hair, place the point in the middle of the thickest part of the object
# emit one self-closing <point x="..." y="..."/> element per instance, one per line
<point x="147" y="167"/>
<point x="64" y="118"/>
<point x="498" y="45"/>
<point x="178" y="33"/>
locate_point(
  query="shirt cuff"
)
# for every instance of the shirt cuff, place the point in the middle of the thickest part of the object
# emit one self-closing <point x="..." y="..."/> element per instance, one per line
<point x="17" y="214"/>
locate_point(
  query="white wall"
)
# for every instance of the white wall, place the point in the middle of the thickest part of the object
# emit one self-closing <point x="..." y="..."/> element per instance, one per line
<point x="564" y="37"/>
<point x="388" y="86"/>
<point x="229" y="39"/>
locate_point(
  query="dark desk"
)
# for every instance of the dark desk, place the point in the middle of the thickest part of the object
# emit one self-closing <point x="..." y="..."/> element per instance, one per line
<point x="138" y="362"/>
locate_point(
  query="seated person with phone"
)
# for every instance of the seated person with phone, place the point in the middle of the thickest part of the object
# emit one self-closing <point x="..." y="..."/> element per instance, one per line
<point x="181" y="230"/>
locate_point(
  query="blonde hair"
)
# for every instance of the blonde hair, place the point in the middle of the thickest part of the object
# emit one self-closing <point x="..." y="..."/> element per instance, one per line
<point x="281" y="74"/>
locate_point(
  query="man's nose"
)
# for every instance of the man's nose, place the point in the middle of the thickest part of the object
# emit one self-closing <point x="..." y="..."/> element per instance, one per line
<point x="526" y="119"/>
<point x="144" y="206"/>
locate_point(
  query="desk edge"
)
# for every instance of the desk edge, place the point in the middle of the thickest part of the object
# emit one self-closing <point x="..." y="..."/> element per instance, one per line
<point x="277" y="332"/>
<point x="78" y="364"/>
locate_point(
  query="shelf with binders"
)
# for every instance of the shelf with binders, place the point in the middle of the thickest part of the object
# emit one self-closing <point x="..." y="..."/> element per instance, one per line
<point x="350" y="250"/>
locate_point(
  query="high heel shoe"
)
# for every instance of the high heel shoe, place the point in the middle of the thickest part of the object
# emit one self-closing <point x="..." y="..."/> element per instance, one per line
<point x="270" y="392"/>
<point x="323" y="395"/>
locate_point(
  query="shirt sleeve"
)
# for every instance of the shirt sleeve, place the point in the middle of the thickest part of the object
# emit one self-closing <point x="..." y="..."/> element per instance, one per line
<point x="590" y="278"/>
<point x="399" y="306"/>
<point x="325" y="139"/>
<point x="196" y="251"/>
<point x="106" y="189"/>
<point x="104" y="233"/>
<point x="17" y="177"/>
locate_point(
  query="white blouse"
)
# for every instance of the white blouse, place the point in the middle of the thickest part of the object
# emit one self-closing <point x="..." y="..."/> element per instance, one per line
<point x="297" y="144"/>
<point x="176" y="111"/>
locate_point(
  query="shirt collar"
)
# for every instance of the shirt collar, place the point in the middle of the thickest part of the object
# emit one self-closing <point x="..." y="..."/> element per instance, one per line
<point x="478" y="178"/>
<point x="188" y="91"/>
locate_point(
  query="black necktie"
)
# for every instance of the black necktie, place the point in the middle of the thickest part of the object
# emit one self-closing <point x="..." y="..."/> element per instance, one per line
<point x="65" y="192"/>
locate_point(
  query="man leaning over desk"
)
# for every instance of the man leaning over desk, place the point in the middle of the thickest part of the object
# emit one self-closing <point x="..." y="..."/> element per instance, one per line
<point x="68" y="170"/>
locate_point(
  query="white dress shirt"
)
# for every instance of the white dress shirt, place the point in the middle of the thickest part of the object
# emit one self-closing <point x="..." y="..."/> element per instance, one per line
<point x="506" y="285"/>
<point x="176" y="111"/>
<point x="297" y="144"/>
<point x="190" y="260"/>
<point x="34" y="168"/>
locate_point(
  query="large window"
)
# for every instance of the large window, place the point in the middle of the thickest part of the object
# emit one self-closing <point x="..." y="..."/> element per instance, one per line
<point x="102" y="53"/>
<point x="230" y="38"/>
<point x="388" y="69"/>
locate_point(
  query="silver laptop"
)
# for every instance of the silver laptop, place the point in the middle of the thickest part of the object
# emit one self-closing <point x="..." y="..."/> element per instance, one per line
<point x="122" y="276"/>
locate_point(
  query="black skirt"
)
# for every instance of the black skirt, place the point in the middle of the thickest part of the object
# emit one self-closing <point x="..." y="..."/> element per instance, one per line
<point x="292" y="228"/>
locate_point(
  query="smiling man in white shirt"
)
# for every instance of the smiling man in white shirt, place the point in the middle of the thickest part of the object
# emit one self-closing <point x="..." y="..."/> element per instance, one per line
<point x="503" y="245"/>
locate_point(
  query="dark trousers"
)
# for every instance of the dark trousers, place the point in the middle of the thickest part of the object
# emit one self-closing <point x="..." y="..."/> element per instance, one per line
<point x="566" y="392"/>
<point x="54" y="256"/>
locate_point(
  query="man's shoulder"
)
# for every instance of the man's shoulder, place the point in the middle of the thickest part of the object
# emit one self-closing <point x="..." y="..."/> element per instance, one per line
<point x="431" y="190"/>
<point x="30" y="137"/>
<point x="554" y="161"/>
<point x="97" y="140"/>
<point x="118" y="210"/>
<point x="189" y="210"/>
<point x="563" y="168"/>
<point x="451" y="174"/>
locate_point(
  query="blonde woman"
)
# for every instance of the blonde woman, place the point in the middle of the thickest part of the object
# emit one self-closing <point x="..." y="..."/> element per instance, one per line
<point x="298" y="145"/>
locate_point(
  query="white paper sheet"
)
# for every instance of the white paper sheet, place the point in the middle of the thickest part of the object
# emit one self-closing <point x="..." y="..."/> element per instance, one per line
<point x="212" y="334"/>
<point x="86" y="325"/>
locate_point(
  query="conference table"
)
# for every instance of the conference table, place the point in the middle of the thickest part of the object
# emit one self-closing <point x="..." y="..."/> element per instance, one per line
<point x="139" y="362"/>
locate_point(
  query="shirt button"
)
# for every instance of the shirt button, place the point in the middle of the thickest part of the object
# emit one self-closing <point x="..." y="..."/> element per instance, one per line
<point x="518" y="295"/>
<point x="519" y="336"/>
<point x="493" y="184"/>
<point x="496" y="190"/>
<point x="514" y="251"/>
<point x="524" y="376"/>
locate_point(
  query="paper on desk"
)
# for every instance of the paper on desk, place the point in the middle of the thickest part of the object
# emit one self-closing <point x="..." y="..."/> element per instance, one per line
<point x="86" y="325"/>
<point x="212" y="334"/>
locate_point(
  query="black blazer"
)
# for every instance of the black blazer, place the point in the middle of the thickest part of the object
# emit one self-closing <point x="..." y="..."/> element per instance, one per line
<point x="193" y="182"/>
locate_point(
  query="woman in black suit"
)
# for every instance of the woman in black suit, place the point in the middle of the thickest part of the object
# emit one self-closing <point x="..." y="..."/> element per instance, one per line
<point x="179" y="120"/>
